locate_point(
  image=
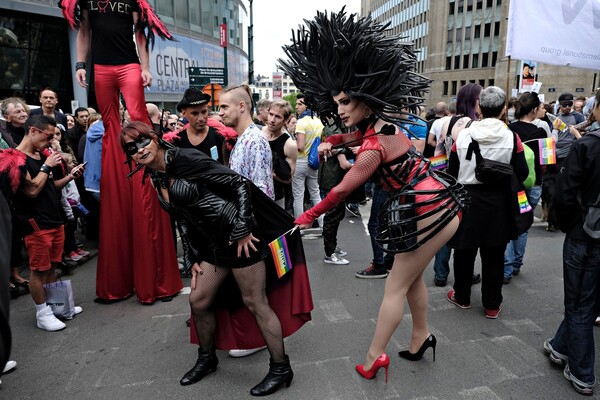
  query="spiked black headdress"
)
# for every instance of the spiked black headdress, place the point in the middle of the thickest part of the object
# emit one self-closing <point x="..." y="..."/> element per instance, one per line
<point x="339" y="53"/>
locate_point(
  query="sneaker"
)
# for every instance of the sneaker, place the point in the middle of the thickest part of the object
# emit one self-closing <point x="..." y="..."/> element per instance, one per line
<point x="516" y="271"/>
<point x="451" y="299"/>
<point x="506" y="280"/>
<point x="353" y="211"/>
<point x="243" y="353"/>
<point x="492" y="314"/>
<point x="554" y="356"/>
<point x="9" y="366"/>
<point x="334" y="259"/>
<point x="371" y="272"/>
<point x="82" y="252"/>
<point x="439" y="282"/>
<point x="339" y="252"/>
<point x="72" y="256"/>
<point x="582" y="388"/>
<point x="47" y="321"/>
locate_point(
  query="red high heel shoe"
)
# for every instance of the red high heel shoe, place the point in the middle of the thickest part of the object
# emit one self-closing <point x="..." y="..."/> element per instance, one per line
<point x="382" y="361"/>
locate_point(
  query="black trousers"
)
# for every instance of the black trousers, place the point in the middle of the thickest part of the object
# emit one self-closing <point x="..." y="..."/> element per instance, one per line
<point x="331" y="223"/>
<point x="492" y="275"/>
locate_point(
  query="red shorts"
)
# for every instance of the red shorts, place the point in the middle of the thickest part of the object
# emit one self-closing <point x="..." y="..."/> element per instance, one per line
<point x="45" y="247"/>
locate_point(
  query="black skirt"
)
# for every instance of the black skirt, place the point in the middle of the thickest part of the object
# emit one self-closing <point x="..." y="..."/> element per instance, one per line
<point x="488" y="222"/>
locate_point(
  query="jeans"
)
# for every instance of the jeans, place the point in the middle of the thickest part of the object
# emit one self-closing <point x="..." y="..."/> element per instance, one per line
<point x="441" y="265"/>
<point x="331" y="224"/>
<point x="380" y="259"/>
<point x="305" y="175"/>
<point x="515" y="249"/>
<point x="575" y="337"/>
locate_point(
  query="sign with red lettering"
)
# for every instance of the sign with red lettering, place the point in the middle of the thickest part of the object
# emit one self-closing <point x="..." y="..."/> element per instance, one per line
<point x="223" y="35"/>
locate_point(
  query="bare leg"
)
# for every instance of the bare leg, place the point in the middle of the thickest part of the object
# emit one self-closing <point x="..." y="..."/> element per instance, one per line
<point x="252" y="283"/>
<point x="201" y="299"/>
<point x="37" y="279"/>
<point x="406" y="280"/>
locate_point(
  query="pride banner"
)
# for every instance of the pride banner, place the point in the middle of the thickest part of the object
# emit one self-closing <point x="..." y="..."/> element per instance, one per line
<point x="281" y="254"/>
<point x="524" y="205"/>
<point x="439" y="162"/>
<point x="547" y="151"/>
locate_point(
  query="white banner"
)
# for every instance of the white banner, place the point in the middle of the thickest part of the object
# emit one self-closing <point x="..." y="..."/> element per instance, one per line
<point x="558" y="32"/>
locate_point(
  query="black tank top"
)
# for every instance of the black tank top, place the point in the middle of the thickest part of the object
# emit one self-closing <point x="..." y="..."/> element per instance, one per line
<point x="280" y="166"/>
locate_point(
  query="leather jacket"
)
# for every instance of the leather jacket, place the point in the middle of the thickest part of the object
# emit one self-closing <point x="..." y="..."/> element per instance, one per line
<point x="212" y="206"/>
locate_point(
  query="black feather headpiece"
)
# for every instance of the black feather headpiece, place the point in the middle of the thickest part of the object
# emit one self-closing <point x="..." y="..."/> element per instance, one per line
<point x="354" y="55"/>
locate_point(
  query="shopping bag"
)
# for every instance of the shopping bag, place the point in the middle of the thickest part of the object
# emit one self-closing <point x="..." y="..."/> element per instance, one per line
<point x="59" y="296"/>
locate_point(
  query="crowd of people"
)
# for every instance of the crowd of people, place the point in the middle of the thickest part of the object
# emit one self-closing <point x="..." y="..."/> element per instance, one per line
<point x="260" y="171"/>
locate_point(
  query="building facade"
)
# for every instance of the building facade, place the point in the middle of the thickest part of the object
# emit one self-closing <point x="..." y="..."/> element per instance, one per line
<point x="263" y="86"/>
<point x="464" y="41"/>
<point x="37" y="49"/>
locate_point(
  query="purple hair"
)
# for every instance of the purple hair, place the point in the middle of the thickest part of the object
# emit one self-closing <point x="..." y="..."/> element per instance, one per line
<point x="467" y="100"/>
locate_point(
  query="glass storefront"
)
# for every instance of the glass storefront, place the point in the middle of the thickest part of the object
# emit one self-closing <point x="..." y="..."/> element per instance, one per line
<point x="34" y="53"/>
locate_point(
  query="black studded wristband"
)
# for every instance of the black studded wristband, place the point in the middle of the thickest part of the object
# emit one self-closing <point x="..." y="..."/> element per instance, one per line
<point x="45" y="169"/>
<point x="80" y="65"/>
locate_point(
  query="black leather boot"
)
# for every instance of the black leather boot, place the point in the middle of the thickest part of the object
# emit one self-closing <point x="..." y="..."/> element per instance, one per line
<point x="207" y="361"/>
<point x="279" y="373"/>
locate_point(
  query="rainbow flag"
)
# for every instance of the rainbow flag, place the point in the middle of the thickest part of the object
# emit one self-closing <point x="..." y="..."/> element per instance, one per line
<point x="281" y="254"/>
<point x="524" y="205"/>
<point x="439" y="162"/>
<point x="547" y="151"/>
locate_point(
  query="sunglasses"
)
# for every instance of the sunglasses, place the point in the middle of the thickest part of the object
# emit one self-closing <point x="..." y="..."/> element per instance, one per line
<point x="566" y="104"/>
<point x="49" y="136"/>
<point x="132" y="148"/>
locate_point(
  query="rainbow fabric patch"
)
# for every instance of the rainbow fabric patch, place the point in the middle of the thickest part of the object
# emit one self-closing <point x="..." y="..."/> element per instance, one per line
<point x="439" y="162"/>
<point x="524" y="205"/>
<point x="281" y="255"/>
<point x="547" y="151"/>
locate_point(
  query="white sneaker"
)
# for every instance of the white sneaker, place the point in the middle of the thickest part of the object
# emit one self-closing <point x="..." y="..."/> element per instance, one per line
<point x="9" y="366"/>
<point x="243" y="353"/>
<point x="47" y="321"/>
<point x="339" y="252"/>
<point x="78" y="310"/>
<point x="334" y="259"/>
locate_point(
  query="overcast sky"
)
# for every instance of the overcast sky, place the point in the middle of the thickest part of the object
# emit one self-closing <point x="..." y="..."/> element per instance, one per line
<point x="274" y="21"/>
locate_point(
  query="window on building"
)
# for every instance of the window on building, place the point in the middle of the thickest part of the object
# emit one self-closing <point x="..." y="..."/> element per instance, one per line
<point x="475" y="62"/>
<point x="487" y="29"/>
<point x="182" y="12"/>
<point x="477" y="31"/>
<point x="448" y="63"/>
<point x="479" y="4"/>
<point x="165" y="7"/>
<point x="492" y="82"/>
<point x="494" y="58"/>
<point x="460" y="9"/>
<point x="451" y="8"/>
<point x="445" y="91"/>
<point x="450" y="36"/>
<point x="463" y="83"/>
<point x="484" y="60"/>
<point x="482" y="82"/>
<point x="467" y="33"/>
<point x="498" y="2"/>
<point x="453" y="88"/>
<point x="459" y="35"/>
<point x="472" y="81"/>
<point x="489" y="3"/>
<point x="456" y="62"/>
<point x="466" y="61"/>
<point x="497" y="28"/>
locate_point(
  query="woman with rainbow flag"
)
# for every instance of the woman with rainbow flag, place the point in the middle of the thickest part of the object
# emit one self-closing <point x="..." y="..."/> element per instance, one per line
<point x="230" y="223"/>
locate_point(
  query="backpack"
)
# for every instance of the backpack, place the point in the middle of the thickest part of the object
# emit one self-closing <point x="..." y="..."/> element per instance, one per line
<point x="530" y="158"/>
<point x="591" y="220"/>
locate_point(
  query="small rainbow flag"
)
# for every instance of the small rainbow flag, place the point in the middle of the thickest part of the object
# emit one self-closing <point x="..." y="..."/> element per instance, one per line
<point x="547" y="151"/>
<point x="281" y="254"/>
<point x="439" y="162"/>
<point x="524" y="205"/>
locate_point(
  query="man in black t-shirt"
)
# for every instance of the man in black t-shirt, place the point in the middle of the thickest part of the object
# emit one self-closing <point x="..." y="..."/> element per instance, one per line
<point x="37" y="212"/>
<point x="198" y="135"/>
<point x="105" y="31"/>
<point x="49" y="101"/>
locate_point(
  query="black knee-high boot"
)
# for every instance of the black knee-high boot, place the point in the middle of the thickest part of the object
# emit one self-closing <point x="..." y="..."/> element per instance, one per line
<point x="279" y="373"/>
<point x="207" y="361"/>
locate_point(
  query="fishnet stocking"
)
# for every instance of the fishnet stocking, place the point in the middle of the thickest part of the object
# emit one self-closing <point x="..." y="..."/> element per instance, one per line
<point x="201" y="299"/>
<point x="252" y="283"/>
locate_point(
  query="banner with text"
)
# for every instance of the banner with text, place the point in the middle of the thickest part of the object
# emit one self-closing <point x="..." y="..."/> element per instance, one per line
<point x="277" y="85"/>
<point x="559" y="32"/>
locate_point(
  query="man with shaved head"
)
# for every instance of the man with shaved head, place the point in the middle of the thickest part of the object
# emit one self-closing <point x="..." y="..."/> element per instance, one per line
<point x="251" y="156"/>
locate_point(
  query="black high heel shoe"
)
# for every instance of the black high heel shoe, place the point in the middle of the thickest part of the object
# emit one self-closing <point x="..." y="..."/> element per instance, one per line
<point x="431" y="341"/>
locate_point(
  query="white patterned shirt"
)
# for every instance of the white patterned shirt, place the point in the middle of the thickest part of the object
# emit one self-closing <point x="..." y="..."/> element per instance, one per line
<point x="251" y="158"/>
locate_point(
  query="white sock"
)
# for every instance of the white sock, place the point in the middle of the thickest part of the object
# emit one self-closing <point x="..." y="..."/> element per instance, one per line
<point x="40" y="307"/>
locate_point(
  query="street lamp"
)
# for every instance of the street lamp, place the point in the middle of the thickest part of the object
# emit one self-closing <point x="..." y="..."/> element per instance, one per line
<point x="251" y="48"/>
